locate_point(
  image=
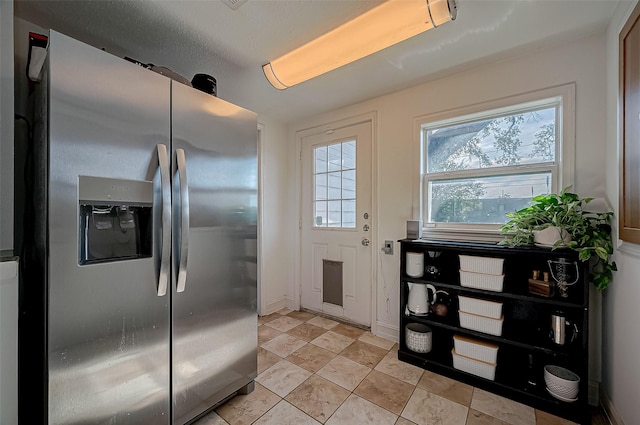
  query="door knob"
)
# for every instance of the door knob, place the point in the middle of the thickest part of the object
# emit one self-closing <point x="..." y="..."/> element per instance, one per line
<point x="365" y="228"/>
<point x="365" y="242"/>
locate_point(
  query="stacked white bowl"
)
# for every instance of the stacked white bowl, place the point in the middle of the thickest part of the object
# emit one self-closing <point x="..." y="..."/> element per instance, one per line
<point x="561" y="383"/>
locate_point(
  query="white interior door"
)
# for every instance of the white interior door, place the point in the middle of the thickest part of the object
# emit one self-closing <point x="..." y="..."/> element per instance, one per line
<point x="336" y="229"/>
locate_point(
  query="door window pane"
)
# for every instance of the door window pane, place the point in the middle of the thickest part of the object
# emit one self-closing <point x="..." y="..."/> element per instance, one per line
<point x="349" y="155"/>
<point x="321" y="186"/>
<point x="335" y="157"/>
<point x="349" y="184"/>
<point x="335" y="185"/>
<point x="320" y="219"/>
<point x="321" y="159"/>
<point x="335" y="214"/>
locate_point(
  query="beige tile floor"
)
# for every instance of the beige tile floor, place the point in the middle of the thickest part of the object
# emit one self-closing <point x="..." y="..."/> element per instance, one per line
<point x="313" y="370"/>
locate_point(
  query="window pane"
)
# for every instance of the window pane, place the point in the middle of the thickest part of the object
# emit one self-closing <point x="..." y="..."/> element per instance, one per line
<point x="349" y="214"/>
<point x="524" y="138"/>
<point x="335" y="157"/>
<point x="321" y="187"/>
<point x="484" y="199"/>
<point x="321" y="159"/>
<point x="335" y="185"/>
<point x="349" y="155"/>
<point x="349" y="184"/>
<point x="335" y="214"/>
<point x="320" y="218"/>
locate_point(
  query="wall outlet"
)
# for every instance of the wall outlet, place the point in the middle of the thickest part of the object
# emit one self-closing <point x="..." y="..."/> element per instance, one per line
<point x="388" y="247"/>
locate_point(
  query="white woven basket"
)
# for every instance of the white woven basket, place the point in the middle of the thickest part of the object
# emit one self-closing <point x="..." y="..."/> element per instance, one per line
<point x="480" y="307"/>
<point x="475" y="349"/>
<point x="486" y="265"/>
<point x="474" y="367"/>
<point x="481" y="323"/>
<point x="489" y="282"/>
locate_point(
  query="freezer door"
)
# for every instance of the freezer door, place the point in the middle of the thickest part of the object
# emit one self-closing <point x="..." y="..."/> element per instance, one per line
<point x="108" y="328"/>
<point x="214" y="251"/>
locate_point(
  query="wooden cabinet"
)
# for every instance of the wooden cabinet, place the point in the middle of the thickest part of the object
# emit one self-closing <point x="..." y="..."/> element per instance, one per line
<point x="629" y="98"/>
<point x="525" y="343"/>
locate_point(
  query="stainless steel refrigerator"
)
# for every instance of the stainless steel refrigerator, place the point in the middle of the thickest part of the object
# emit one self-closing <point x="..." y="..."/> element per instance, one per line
<point x="139" y="305"/>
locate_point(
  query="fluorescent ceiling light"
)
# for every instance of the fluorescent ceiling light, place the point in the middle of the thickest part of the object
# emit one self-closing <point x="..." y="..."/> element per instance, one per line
<point x="383" y="26"/>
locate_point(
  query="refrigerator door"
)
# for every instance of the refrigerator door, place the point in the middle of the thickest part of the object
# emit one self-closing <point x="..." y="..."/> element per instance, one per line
<point x="214" y="258"/>
<point x="108" y="322"/>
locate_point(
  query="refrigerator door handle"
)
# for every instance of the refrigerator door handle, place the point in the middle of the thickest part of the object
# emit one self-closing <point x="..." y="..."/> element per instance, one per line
<point x="165" y="253"/>
<point x="184" y="225"/>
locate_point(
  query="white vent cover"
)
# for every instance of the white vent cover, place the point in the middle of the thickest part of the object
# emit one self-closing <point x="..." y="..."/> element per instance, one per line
<point x="234" y="4"/>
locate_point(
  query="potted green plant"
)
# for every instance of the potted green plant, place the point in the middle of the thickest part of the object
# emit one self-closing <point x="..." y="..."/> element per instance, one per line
<point x="587" y="232"/>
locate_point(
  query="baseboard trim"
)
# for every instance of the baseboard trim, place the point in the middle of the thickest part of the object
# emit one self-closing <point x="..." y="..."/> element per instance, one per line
<point x="387" y="331"/>
<point x="609" y="409"/>
<point x="292" y="304"/>
<point x="275" y="306"/>
<point x="337" y="319"/>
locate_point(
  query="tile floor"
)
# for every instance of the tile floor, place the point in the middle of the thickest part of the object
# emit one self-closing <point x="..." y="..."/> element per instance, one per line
<point x="313" y="370"/>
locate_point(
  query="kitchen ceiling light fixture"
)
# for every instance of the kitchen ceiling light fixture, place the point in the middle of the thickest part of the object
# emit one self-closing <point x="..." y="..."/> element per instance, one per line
<point x="385" y="25"/>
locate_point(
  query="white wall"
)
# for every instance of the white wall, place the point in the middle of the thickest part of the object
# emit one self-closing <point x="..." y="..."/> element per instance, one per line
<point x="6" y="125"/>
<point x="621" y="315"/>
<point x="277" y="216"/>
<point x="581" y="61"/>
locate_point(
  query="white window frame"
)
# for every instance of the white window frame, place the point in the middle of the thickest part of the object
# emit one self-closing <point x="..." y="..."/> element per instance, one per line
<point x="314" y="194"/>
<point x="562" y="169"/>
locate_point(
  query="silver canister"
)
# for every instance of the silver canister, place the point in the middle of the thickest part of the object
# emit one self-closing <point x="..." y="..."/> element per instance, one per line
<point x="559" y="324"/>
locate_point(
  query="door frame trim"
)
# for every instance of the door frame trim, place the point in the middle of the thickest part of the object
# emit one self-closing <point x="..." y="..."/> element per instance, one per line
<point x="372" y="118"/>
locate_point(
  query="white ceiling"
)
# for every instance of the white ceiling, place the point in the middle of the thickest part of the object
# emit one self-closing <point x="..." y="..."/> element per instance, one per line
<point x="207" y="36"/>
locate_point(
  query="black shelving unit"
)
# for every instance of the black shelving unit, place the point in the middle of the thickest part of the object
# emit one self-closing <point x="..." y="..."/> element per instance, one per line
<point x="526" y="327"/>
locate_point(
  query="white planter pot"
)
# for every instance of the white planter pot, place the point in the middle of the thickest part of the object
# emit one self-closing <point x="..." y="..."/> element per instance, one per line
<point x="550" y="235"/>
